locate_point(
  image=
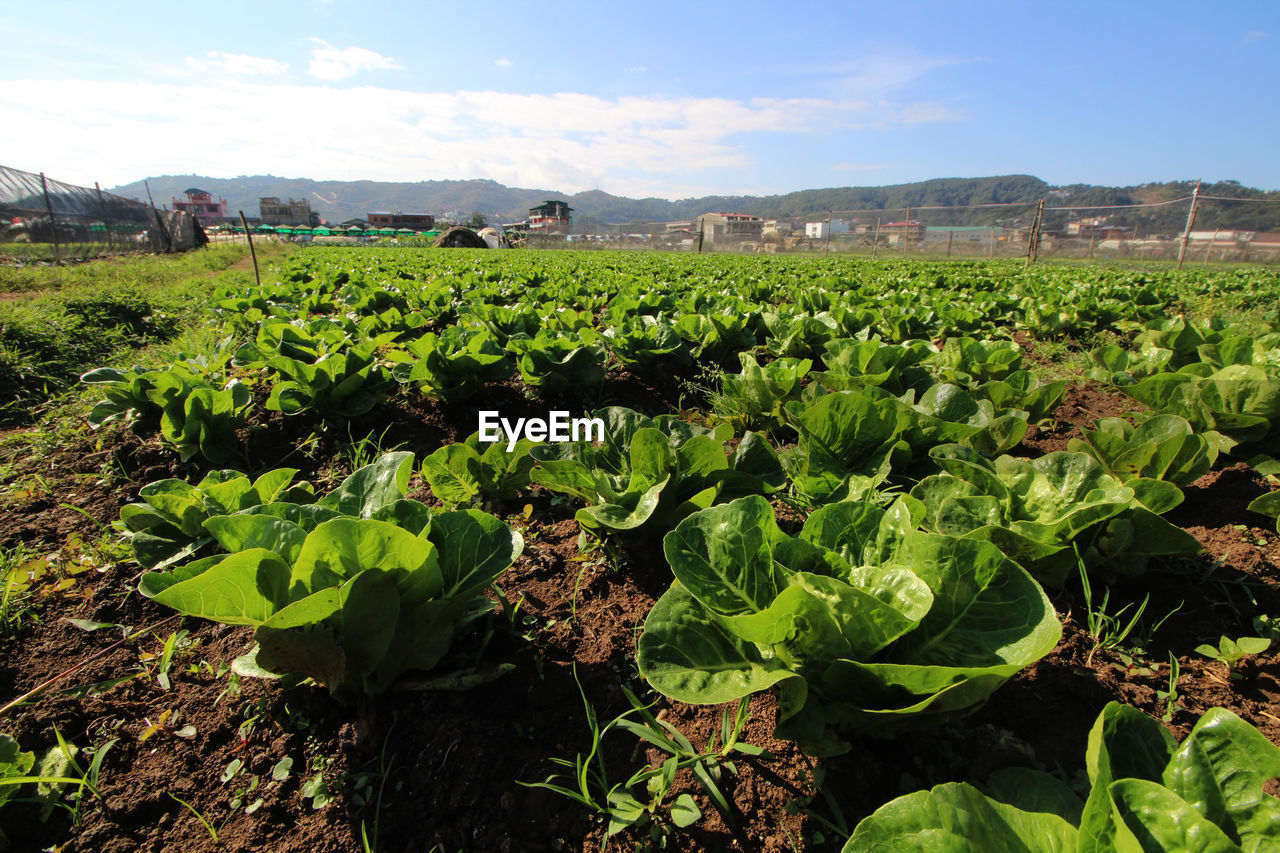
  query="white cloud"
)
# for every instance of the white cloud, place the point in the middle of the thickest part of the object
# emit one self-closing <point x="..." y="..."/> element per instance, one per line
<point x="632" y="145"/>
<point x="503" y="62"/>
<point x="1254" y="35"/>
<point x="879" y="74"/>
<point x="927" y="112"/>
<point x="239" y="64"/>
<point x="332" y="63"/>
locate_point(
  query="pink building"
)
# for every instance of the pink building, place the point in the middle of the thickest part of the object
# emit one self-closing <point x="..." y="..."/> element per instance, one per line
<point x="201" y="205"/>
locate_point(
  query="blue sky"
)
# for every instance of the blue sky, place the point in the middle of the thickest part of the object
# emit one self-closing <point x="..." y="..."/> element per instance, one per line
<point x="644" y="99"/>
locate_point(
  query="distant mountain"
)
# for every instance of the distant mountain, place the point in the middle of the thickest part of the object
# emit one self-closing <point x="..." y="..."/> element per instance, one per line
<point x="596" y="210"/>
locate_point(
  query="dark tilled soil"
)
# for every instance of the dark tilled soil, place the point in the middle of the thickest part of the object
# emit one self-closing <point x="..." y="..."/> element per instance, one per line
<point x="420" y="771"/>
<point x="1083" y="405"/>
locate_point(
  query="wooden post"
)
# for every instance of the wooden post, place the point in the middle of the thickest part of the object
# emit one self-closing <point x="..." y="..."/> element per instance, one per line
<point x="1093" y="241"/>
<point x="1191" y="220"/>
<point x="991" y="245"/>
<point x="53" y="222"/>
<point x="1212" y="243"/>
<point x="906" y="233"/>
<point x="1033" y="240"/>
<point x="256" y="275"/>
<point x="951" y="235"/>
<point x="875" y="241"/>
<point x="826" y="247"/>
<point x="164" y="230"/>
<point x="106" y="227"/>
<point x="701" y="228"/>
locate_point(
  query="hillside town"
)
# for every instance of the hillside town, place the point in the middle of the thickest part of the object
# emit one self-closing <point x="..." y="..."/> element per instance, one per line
<point x="553" y="222"/>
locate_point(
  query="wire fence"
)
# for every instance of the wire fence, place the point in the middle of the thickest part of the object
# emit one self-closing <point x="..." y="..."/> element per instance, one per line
<point x="1158" y="230"/>
<point x="42" y="220"/>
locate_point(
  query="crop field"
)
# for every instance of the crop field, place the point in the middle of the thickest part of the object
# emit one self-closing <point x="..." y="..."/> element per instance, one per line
<point x="773" y="553"/>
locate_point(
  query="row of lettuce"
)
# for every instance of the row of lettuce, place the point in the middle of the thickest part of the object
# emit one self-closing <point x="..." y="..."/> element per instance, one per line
<point x="913" y="588"/>
<point x="861" y="622"/>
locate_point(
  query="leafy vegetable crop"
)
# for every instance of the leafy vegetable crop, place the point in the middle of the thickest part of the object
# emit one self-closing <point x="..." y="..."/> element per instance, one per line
<point x="1147" y="793"/>
<point x="859" y="623"/>
<point x="355" y="592"/>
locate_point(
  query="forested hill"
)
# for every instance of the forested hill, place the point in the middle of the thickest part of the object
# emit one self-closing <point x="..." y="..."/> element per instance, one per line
<point x="339" y="200"/>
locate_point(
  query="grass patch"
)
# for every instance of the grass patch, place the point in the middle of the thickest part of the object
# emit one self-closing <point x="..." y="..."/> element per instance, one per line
<point x="101" y="313"/>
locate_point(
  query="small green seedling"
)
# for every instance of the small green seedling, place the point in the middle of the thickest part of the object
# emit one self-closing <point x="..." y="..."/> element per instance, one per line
<point x="1170" y="695"/>
<point x="1232" y="652"/>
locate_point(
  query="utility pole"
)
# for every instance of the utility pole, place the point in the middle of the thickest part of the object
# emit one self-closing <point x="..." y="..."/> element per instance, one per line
<point x="1191" y="220"/>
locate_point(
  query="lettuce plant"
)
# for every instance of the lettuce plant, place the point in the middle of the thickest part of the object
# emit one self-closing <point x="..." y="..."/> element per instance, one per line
<point x="1163" y="447"/>
<point x="859" y="623"/>
<point x="969" y="363"/>
<point x="646" y="345"/>
<point x="715" y="338"/>
<point x="946" y="413"/>
<point x="470" y="471"/>
<point x="167" y="525"/>
<point x="853" y="364"/>
<point x="560" y="361"/>
<point x="1267" y="504"/>
<point x="1118" y="366"/>
<point x="802" y="335"/>
<point x="337" y="386"/>
<point x="357" y="595"/>
<point x="1035" y="510"/>
<point x="1241" y="401"/>
<point x="1147" y="793"/>
<point x="846" y="444"/>
<point x="200" y="409"/>
<point x="1023" y="390"/>
<point x="507" y="321"/>
<point x="654" y="471"/>
<point x="452" y="365"/>
<point x="754" y="398"/>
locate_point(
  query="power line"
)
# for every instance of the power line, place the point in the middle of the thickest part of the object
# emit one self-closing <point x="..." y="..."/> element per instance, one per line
<point x="1228" y="198"/>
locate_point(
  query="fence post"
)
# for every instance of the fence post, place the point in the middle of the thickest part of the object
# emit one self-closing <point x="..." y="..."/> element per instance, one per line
<point x="875" y="241"/>
<point x="53" y="222"/>
<point x="951" y="235"/>
<point x="164" y="229"/>
<point x="991" y="245"/>
<point x="256" y="276"/>
<point x="106" y="226"/>
<point x="826" y="247"/>
<point x="1191" y="220"/>
<point x="1033" y="241"/>
<point x="906" y="233"/>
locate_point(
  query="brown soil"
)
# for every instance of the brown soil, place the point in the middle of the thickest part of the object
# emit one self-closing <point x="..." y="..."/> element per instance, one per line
<point x="438" y="770"/>
<point x="1083" y="405"/>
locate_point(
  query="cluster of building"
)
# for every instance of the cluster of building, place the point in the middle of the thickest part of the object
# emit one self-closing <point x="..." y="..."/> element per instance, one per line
<point x="741" y="231"/>
<point x="746" y="230"/>
<point x="550" y="217"/>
